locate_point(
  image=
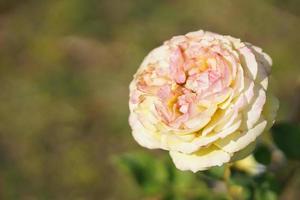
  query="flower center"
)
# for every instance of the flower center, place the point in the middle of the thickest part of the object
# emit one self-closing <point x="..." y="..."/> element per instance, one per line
<point x="194" y="74"/>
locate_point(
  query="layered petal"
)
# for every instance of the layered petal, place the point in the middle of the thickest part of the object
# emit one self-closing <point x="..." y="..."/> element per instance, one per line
<point x="200" y="160"/>
<point x="203" y="97"/>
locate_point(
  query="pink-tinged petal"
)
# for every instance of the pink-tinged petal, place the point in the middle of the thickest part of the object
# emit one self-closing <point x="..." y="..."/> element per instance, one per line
<point x="226" y="76"/>
<point x="163" y="113"/>
<point x="214" y="76"/>
<point x="134" y="97"/>
<point x="180" y="77"/>
<point x="194" y="51"/>
<point x="179" y="121"/>
<point x="177" y="66"/>
<point x="184" y="108"/>
<point x="164" y="92"/>
<point x="214" y="88"/>
<point x="189" y="66"/>
<point x="203" y="80"/>
<point x="198" y="82"/>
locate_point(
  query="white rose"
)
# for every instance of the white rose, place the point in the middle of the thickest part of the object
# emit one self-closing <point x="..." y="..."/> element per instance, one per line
<point x="203" y="97"/>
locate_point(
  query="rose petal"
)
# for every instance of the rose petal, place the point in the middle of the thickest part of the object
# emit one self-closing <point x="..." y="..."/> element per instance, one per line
<point x="249" y="62"/>
<point x="201" y="160"/>
<point x="237" y="141"/>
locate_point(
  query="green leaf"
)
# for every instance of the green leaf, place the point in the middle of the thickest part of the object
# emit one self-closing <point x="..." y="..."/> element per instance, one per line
<point x="265" y="194"/>
<point x="262" y="154"/>
<point x="261" y="187"/>
<point x="216" y="172"/>
<point x="268" y="181"/>
<point x="149" y="173"/>
<point x="267" y="187"/>
<point x="287" y="138"/>
<point x="247" y="183"/>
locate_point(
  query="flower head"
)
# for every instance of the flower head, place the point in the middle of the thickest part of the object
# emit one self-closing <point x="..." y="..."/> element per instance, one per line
<point x="203" y="97"/>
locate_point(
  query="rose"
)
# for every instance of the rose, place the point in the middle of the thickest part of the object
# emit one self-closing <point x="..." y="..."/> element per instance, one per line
<point x="203" y="97"/>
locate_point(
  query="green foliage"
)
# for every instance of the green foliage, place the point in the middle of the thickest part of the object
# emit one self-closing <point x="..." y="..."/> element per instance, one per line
<point x="157" y="177"/>
<point x="261" y="187"/>
<point x="148" y="173"/>
<point x="262" y="154"/>
<point x="267" y="187"/>
<point x="263" y="194"/>
<point x="287" y="138"/>
<point x="216" y="172"/>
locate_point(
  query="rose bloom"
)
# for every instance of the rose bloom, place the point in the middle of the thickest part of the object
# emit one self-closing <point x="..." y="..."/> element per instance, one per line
<point x="202" y="97"/>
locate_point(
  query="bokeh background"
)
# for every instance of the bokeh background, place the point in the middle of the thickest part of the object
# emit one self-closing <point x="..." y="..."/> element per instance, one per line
<point x="65" y="66"/>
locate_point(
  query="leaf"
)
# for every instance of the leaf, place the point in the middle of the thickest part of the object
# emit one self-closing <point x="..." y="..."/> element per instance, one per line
<point x="261" y="187"/>
<point x="266" y="187"/>
<point x="262" y="154"/>
<point x="264" y="194"/>
<point x="246" y="182"/>
<point x="216" y="172"/>
<point x="149" y="173"/>
<point x="268" y="181"/>
<point x="287" y="138"/>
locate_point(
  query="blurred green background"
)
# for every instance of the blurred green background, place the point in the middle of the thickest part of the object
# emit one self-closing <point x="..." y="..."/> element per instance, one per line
<point x="65" y="66"/>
